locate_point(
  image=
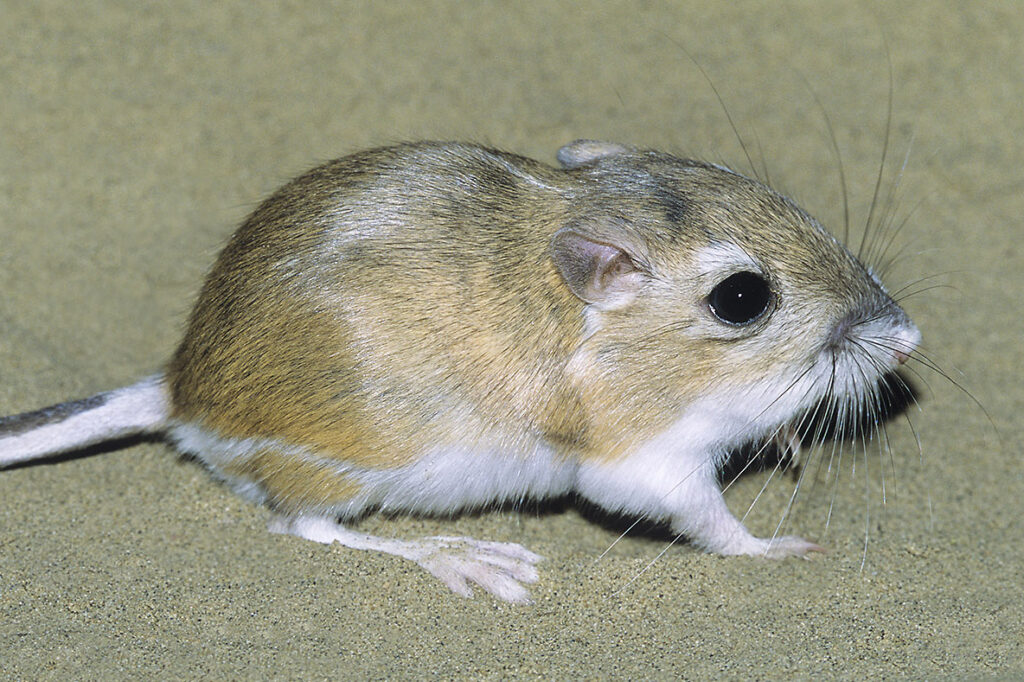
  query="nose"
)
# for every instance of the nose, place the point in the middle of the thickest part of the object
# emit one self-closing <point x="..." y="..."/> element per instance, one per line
<point x="906" y="342"/>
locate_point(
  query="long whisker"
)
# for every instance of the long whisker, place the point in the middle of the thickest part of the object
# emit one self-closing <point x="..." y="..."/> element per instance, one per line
<point x="721" y="103"/>
<point x="885" y="153"/>
<point x="650" y="563"/>
<point x="918" y="355"/>
<point x="905" y="290"/>
<point x="771" y="475"/>
<point x="750" y="462"/>
<point x="639" y="520"/>
<point x="889" y="229"/>
<point x="838" y="157"/>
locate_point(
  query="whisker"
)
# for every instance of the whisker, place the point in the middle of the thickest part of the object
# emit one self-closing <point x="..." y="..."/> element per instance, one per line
<point x="750" y="461"/>
<point x="721" y="103"/>
<point x="886" y="264"/>
<point x="885" y="234"/>
<point x="639" y="520"/>
<point x="623" y="534"/>
<point x="764" y="486"/>
<point x="650" y="563"/>
<point x="838" y="157"/>
<point x="905" y="290"/>
<point x="926" y="361"/>
<point x="917" y="437"/>
<point x="766" y="179"/>
<point x="885" y="152"/>
<point x="789" y="505"/>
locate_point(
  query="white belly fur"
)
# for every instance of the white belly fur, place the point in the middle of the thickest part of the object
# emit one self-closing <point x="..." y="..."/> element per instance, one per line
<point x="444" y="481"/>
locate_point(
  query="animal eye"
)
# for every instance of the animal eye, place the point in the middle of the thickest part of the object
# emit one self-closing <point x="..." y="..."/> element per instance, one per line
<point x="741" y="298"/>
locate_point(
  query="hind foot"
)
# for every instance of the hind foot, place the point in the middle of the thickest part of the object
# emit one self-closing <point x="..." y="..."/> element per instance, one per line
<point x="498" y="567"/>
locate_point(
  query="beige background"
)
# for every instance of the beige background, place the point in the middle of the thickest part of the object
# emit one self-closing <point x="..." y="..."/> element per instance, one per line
<point x="133" y="139"/>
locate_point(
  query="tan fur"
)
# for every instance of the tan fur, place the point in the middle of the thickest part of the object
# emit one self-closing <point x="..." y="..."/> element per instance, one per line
<point x="406" y="298"/>
<point x="292" y="484"/>
<point x="432" y="327"/>
<point x="288" y="340"/>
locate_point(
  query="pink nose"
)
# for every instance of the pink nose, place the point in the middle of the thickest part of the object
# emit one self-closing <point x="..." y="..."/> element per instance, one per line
<point x="901" y="356"/>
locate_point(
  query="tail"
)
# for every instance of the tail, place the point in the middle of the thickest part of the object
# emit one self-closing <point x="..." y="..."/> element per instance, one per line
<point x="141" y="408"/>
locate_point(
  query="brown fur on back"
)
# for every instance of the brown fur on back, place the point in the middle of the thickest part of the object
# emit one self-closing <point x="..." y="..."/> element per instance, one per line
<point x="380" y="302"/>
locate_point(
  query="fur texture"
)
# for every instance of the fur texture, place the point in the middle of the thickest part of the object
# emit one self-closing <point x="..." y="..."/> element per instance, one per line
<point x="437" y="326"/>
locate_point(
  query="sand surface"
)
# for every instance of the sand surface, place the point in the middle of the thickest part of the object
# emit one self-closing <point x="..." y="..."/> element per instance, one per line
<point x="135" y="136"/>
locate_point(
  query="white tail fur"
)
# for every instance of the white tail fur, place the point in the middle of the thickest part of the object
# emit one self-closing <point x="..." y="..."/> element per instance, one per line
<point x="139" y="408"/>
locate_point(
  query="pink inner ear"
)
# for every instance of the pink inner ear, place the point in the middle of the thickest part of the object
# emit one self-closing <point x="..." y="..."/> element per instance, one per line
<point x="594" y="271"/>
<point x="620" y="265"/>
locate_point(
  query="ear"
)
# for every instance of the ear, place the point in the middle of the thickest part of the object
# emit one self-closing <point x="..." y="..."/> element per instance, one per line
<point x="597" y="271"/>
<point x="582" y="152"/>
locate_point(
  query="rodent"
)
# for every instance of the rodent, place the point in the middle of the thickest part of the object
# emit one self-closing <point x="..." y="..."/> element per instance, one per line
<point x="431" y="327"/>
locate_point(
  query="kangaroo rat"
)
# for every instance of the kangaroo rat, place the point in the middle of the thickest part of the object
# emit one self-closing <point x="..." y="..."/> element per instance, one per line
<point x="432" y="327"/>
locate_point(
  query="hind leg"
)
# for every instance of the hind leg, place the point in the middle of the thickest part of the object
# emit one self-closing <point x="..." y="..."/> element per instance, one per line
<point x="498" y="567"/>
<point x="300" y="485"/>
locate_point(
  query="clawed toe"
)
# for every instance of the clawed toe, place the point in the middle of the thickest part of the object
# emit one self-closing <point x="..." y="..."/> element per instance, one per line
<point x="499" y="568"/>
<point x="790" y="545"/>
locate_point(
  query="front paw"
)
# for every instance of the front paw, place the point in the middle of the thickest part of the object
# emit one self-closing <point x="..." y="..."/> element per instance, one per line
<point x="787" y="546"/>
<point x="769" y="548"/>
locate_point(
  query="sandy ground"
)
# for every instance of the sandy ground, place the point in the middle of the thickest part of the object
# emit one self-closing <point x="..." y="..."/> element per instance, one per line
<point x="133" y="138"/>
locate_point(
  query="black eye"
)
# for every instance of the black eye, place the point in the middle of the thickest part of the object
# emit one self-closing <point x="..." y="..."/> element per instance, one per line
<point x="741" y="298"/>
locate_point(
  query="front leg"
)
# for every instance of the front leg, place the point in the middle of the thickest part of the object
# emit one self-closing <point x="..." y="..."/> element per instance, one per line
<point x="702" y="516"/>
<point x="682" y="489"/>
